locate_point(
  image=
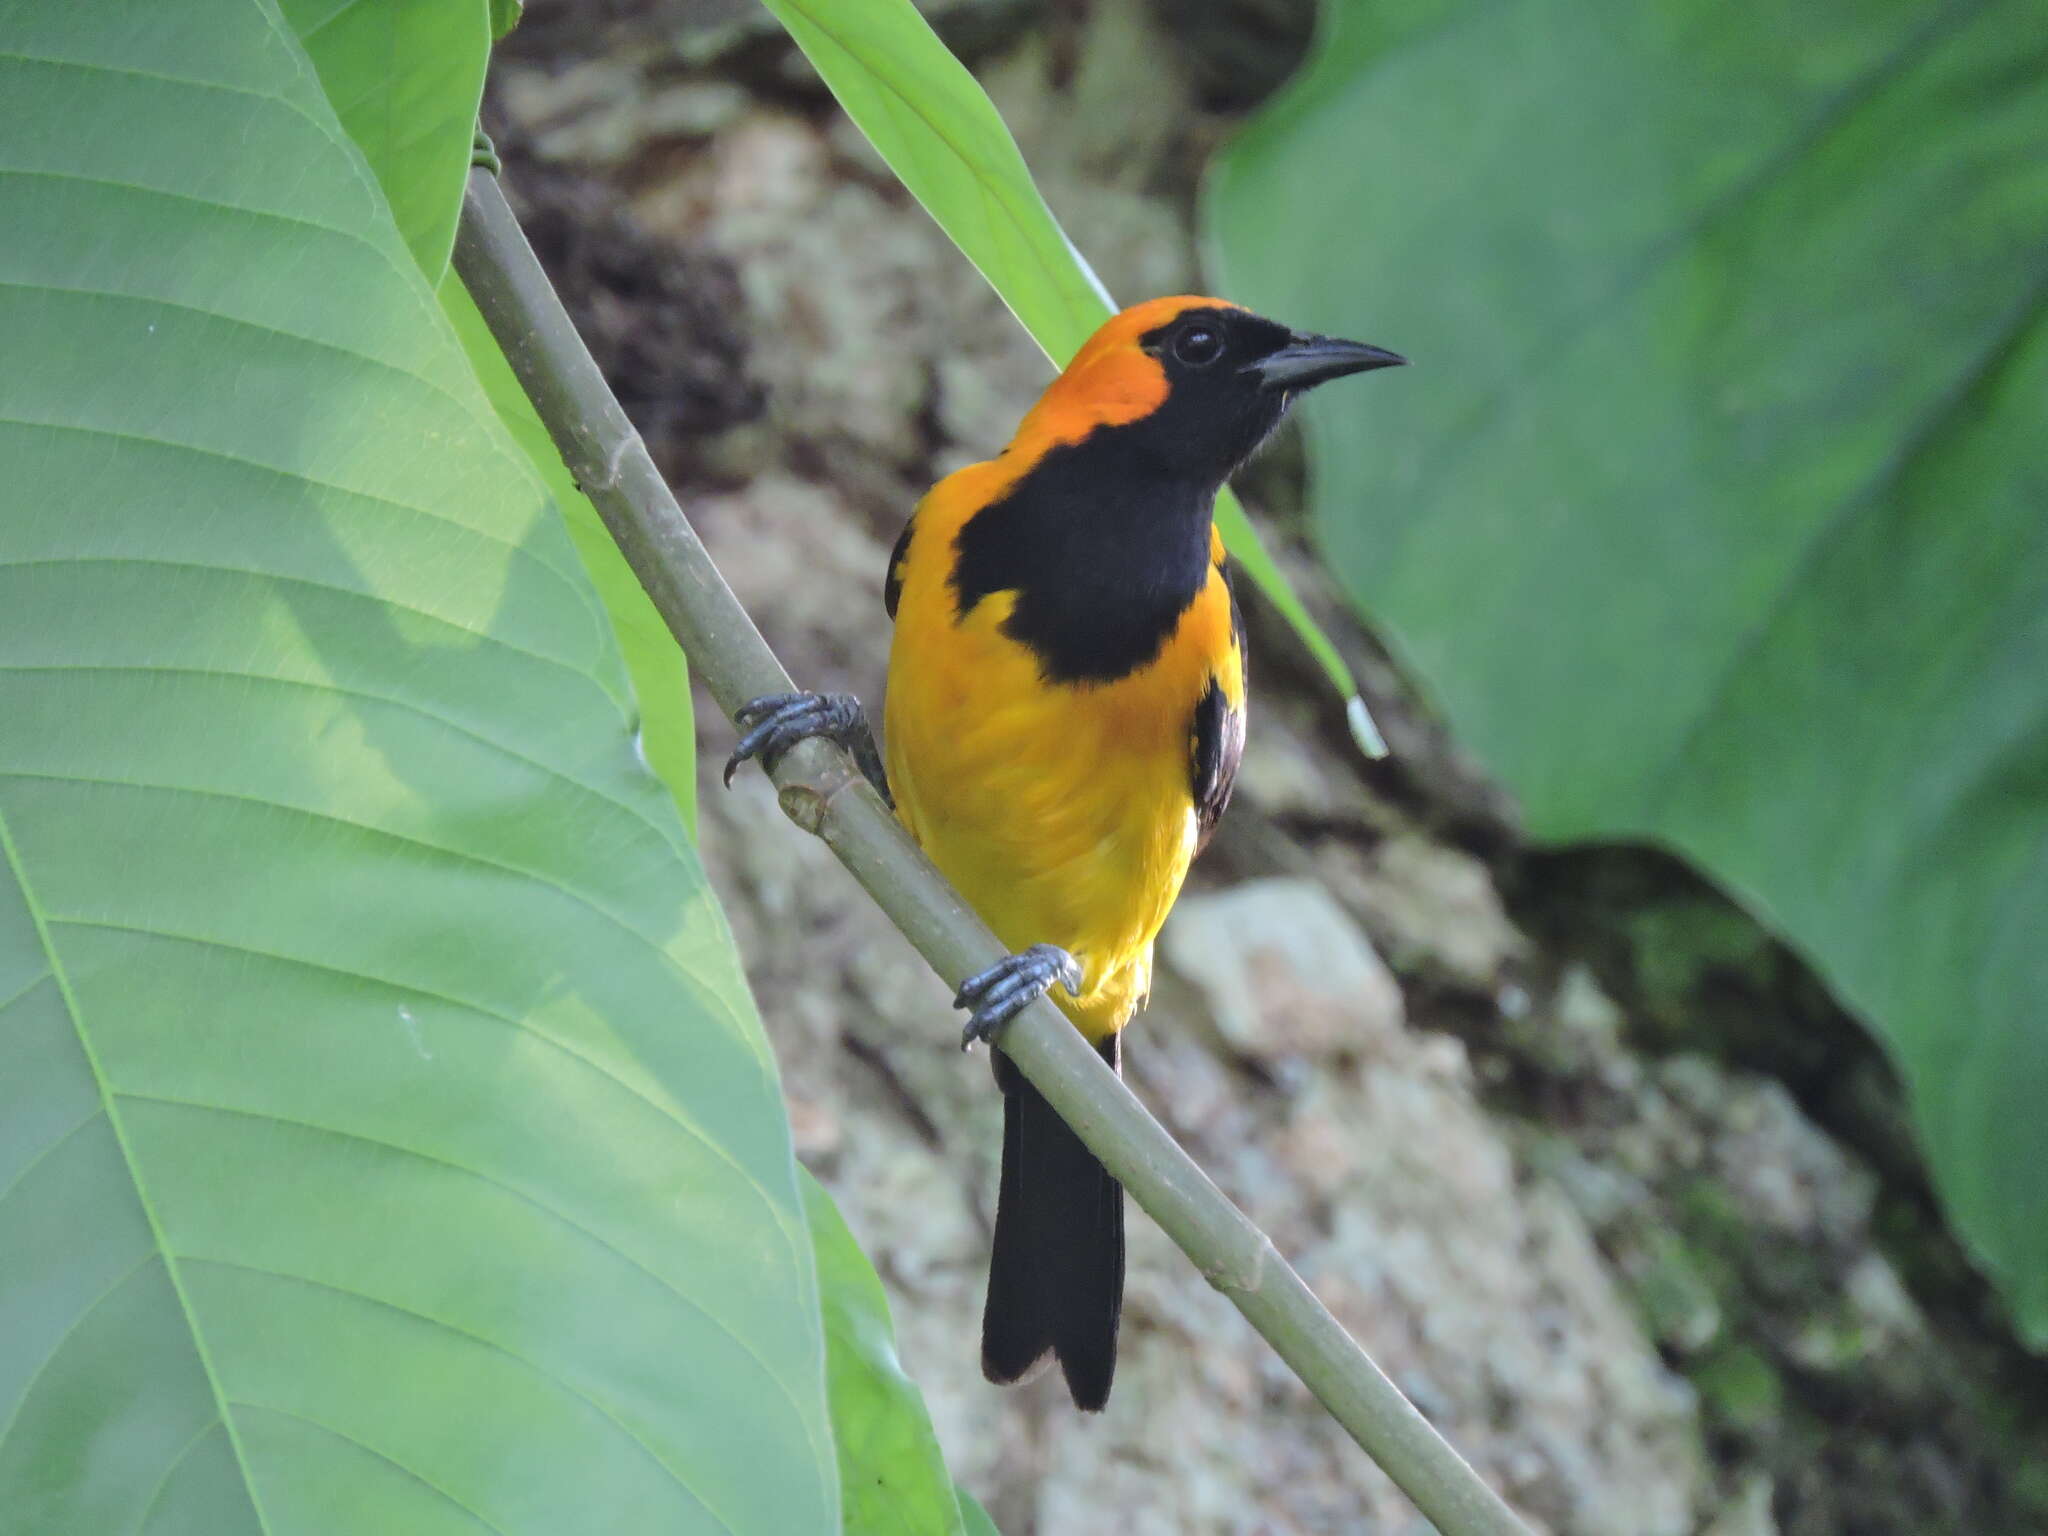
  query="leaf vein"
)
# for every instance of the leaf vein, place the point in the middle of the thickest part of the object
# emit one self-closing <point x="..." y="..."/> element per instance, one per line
<point x="201" y="450"/>
<point x="352" y="236"/>
<point x="47" y="1149"/>
<point x="155" y="562"/>
<point x="579" y="898"/>
<point x="391" y="1461"/>
<point x="306" y="34"/>
<point x="488" y="430"/>
<point x="491" y="1181"/>
<point x="464" y="1334"/>
<point x="71" y="1328"/>
<point x="666" y="834"/>
<point x="177" y="1461"/>
<point x="33" y="982"/>
<point x="164" y="77"/>
<point x="156" y="1232"/>
<point x="667" y="1111"/>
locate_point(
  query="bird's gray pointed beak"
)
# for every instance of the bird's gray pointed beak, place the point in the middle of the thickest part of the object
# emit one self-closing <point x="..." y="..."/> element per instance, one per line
<point x="1310" y="360"/>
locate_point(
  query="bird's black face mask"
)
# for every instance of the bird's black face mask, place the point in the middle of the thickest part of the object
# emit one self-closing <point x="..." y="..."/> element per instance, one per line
<point x="1231" y="375"/>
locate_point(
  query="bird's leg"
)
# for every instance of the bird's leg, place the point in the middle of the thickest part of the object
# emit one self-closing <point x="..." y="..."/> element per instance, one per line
<point x="993" y="996"/>
<point x="779" y="721"/>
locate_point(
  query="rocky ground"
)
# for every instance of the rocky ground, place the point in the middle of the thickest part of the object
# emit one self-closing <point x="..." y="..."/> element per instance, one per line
<point x="1593" y="1166"/>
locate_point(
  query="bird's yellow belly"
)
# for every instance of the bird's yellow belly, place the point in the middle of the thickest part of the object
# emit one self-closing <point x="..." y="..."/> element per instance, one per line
<point x="1063" y="814"/>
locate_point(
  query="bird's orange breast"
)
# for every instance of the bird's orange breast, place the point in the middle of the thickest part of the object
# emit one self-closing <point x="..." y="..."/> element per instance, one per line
<point x="1063" y="812"/>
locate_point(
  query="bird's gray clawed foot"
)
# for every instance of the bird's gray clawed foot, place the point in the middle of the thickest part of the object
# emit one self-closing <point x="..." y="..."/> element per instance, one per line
<point x="1005" y="988"/>
<point x="779" y="721"/>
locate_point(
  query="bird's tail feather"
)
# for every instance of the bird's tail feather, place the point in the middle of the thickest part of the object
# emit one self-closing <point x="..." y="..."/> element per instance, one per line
<point x="1056" y="1276"/>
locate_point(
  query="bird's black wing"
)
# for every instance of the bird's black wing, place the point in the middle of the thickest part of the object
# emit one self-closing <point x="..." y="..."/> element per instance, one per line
<point x="1218" y="742"/>
<point x="892" y="585"/>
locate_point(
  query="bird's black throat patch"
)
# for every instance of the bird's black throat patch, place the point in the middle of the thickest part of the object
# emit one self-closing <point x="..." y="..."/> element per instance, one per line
<point x="1105" y="549"/>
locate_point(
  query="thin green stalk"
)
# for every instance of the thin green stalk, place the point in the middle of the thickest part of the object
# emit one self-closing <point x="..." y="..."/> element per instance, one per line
<point x="824" y="793"/>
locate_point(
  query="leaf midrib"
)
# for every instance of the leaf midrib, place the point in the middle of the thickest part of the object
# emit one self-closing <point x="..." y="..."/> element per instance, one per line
<point x="107" y="1095"/>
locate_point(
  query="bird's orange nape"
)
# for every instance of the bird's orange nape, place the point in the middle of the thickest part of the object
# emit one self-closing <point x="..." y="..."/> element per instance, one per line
<point x="1112" y="381"/>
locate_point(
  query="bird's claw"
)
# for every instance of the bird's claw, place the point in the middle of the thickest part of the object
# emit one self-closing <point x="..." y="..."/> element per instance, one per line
<point x="996" y="995"/>
<point x="775" y="723"/>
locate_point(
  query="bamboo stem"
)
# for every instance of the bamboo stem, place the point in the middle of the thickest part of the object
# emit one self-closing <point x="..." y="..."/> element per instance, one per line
<point x="824" y="793"/>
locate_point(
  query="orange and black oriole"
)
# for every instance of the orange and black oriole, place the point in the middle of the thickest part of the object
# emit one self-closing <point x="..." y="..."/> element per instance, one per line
<point x="1065" y="715"/>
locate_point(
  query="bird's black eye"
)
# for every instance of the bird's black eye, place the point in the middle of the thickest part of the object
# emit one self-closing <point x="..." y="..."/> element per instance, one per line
<point x="1198" y="346"/>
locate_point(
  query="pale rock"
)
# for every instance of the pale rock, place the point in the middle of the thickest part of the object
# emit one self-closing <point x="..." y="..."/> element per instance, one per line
<point x="1433" y="908"/>
<point x="1283" y="969"/>
<point x="814" y="1127"/>
<point x="1577" y="1034"/>
<point x="587" y="112"/>
<point x="809" y="573"/>
<point x="1286" y="772"/>
<point x="850" y="296"/>
<point x="1785" y="1172"/>
<point x="692" y="109"/>
<point x="1748" y="1511"/>
<point x="602" y="112"/>
<point x="1880" y="1301"/>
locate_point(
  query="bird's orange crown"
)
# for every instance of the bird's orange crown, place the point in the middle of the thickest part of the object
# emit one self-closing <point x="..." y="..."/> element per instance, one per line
<point x="1112" y="379"/>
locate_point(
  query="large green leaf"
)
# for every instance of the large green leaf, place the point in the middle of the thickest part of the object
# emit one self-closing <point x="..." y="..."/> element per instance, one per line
<point x="892" y="1478"/>
<point x="405" y="77"/>
<point x="387" y="1143"/>
<point x="941" y="135"/>
<point x="1713" y="511"/>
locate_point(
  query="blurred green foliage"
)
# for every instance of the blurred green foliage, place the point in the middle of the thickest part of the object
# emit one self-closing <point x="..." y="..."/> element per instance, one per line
<point x="893" y="1480"/>
<point x="1713" y="511"/>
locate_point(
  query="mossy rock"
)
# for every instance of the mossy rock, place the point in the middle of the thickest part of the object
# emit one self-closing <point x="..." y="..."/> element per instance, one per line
<point x="1740" y="1390"/>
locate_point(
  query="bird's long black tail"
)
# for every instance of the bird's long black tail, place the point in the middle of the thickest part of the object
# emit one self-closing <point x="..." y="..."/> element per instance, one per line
<point x="1056" y="1277"/>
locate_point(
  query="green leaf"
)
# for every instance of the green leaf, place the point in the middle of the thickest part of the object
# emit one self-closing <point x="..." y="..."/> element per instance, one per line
<point x="975" y="1519"/>
<point x="405" y="77"/>
<point x="505" y="16"/>
<point x="387" y="1142"/>
<point x="941" y="135"/>
<point x="661" y="679"/>
<point x="892" y="1477"/>
<point x="1712" y="511"/>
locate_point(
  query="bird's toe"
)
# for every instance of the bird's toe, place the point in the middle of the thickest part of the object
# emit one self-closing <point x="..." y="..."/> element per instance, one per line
<point x="778" y="721"/>
<point x="995" y="996"/>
